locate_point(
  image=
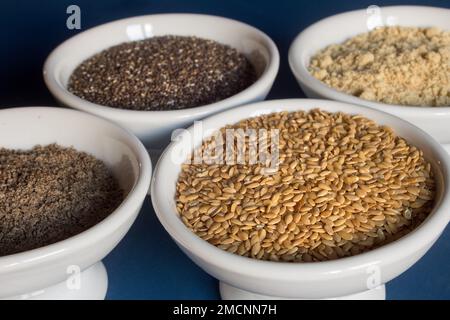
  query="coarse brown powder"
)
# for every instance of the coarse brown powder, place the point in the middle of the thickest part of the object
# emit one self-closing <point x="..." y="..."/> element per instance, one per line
<point x="162" y="73"/>
<point x="51" y="193"/>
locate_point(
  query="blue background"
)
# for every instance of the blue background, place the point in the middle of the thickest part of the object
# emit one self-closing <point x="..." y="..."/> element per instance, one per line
<point x="147" y="264"/>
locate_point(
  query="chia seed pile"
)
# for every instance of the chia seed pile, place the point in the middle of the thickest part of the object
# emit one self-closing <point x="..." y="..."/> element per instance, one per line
<point x="162" y="73"/>
<point x="51" y="193"/>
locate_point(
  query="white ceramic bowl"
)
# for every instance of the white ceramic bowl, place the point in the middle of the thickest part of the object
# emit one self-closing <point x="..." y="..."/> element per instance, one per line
<point x="338" y="28"/>
<point x="351" y="277"/>
<point x="154" y="127"/>
<point x="71" y="269"/>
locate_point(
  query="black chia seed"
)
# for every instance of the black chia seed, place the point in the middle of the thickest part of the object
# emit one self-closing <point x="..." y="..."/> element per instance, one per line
<point x="162" y="73"/>
<point x="51" y="193"/>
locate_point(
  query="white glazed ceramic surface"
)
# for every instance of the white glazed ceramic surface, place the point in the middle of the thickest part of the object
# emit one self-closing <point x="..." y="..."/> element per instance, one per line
<point x="338" y="28"/>
<point x="154" y="127"/>
<point x="305" y="280"/>
<point x="23" y="128"/>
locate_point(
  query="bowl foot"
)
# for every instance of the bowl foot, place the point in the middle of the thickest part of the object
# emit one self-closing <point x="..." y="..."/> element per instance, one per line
<point x="91" y="285"/>
<point x="228" y="292"/>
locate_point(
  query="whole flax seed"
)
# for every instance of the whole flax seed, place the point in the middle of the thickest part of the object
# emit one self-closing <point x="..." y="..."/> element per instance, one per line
<point x="51" y="193"/>
<point x="344" y="185"/>
<point x="394" y="65"/>
<point x="162" y="73"/>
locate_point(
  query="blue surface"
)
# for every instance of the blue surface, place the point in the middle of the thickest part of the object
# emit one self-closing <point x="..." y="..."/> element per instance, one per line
<point x="147" y="264"/>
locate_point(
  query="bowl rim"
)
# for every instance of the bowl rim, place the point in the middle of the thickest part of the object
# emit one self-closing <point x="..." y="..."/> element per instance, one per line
<point x="114" y="220"/>
<point x="430" y="229"/>
<point x="69" y="99"/>
<point x="304" y="76"/>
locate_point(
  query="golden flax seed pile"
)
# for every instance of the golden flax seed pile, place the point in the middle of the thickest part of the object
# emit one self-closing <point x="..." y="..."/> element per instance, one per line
<point x="394" y="65"/>
<point x="344" y="185"/>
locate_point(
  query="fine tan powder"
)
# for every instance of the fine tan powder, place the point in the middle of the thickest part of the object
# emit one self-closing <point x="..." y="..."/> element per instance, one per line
<point x="393" y="65"/>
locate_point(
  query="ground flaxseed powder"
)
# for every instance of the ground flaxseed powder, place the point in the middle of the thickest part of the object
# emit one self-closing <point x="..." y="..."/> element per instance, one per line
<point x="162" y="73"/>
<point x="394" y="65"/>
<point x="50" y="193"/>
